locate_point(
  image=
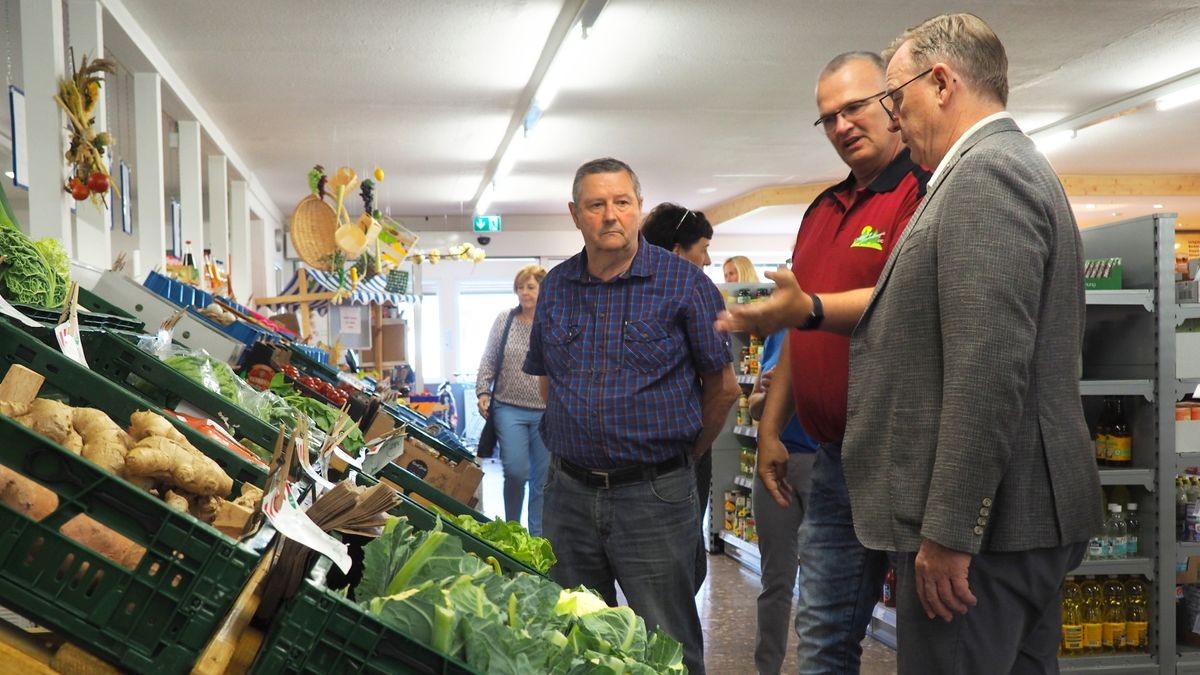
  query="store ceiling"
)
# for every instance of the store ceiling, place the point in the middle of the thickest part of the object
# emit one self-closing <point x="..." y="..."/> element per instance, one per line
<point x="706" y="99"/>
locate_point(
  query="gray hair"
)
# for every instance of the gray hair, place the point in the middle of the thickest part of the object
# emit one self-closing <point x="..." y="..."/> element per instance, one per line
<point x="965" y="42"/>
<point x="604" y="165"/>
<point x="838" y="62"/>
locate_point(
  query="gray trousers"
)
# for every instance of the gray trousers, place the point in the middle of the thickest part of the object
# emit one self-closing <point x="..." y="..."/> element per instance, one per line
<point x="1015" y="627"/>
<point x="777" y="529"/>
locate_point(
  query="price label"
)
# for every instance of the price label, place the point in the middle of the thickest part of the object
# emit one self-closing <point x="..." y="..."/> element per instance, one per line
<point x="67" y="334"/>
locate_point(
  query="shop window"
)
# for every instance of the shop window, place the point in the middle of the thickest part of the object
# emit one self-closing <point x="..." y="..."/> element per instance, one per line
<point x="476" y="313"/>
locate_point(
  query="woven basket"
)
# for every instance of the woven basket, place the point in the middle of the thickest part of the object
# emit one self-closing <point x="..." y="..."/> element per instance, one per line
<point x="313" y="225"/>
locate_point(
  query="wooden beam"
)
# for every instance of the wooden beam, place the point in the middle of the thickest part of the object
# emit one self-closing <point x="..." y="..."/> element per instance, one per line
<point x="299" y="297"/>
<point x="1131" y="185"/>
<point x="776" y="195"/>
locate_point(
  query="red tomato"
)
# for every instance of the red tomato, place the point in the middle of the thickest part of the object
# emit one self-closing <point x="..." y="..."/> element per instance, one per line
<point x="98" y="182"/>
<point x="79" y="191"/>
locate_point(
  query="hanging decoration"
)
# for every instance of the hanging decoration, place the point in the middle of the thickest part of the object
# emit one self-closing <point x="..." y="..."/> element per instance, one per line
<point x="329" y="239"/>
<point x="78" y="96"/>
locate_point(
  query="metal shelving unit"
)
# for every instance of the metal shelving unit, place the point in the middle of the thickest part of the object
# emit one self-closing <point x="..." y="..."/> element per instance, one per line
<point x="1129" y="350"/>
<point x="742" y="551"/>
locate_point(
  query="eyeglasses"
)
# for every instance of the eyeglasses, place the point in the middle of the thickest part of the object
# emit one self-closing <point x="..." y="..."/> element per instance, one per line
<point x="891" y="95"/>
<point x="850" y="111"/>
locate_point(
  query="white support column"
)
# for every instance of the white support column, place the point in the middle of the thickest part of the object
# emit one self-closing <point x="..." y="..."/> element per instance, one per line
<point x="239" y="262"/>
<point x="43" y="65"/>
<point x="93" y="238"/>
<point x="151" y="188"/>
<point x="218" y="207"/>
<point x="261" y="269"/>
<point x="191" y="186"/>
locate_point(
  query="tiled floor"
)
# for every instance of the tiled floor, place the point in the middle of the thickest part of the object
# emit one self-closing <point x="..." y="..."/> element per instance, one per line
<point x="727" y="607"/>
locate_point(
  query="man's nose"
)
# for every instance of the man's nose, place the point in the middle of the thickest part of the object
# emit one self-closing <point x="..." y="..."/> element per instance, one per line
<point x="893" y="124"/>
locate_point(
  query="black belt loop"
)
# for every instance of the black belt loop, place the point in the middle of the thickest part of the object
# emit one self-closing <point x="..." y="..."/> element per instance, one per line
<point x="611" y="478"/>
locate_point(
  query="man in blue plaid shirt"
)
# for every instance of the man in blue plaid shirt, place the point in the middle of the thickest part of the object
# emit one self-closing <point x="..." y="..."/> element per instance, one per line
<point x="637" y="383"/>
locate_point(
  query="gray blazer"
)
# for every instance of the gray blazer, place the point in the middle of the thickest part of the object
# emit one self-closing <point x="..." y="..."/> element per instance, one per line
<point x="965" y="424"/>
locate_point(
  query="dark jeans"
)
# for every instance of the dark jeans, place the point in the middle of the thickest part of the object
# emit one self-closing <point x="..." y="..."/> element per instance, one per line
<point x="641" y="536"/>
<point x="840" y="579"/>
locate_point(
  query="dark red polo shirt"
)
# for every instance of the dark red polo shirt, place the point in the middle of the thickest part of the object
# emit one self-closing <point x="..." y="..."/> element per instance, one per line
<point x="844" y="240"/>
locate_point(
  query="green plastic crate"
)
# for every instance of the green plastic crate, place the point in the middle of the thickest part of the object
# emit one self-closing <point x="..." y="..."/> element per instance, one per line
<point x="83" y="387"/>
<point x="319" y="632"/>
<point x="156" y="618"/>
<point x="121" y="361"/>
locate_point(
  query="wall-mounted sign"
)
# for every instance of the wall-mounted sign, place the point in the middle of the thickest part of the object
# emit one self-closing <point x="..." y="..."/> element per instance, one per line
<point x="486" y="223"/>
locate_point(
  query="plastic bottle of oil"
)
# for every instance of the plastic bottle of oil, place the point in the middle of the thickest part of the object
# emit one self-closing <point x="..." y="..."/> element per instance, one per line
<point x="1113" y="634"/>
<point x="1072" y="619"/>
<point x="1093" y="615"/>
<point x="1137" y="621"/>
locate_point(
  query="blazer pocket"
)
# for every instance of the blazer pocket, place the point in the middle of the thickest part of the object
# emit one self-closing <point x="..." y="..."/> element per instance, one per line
<point x="911" y="448"/>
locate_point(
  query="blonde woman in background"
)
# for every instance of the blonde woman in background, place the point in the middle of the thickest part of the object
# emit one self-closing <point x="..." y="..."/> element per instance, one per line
<point x="518" y="405"/>
<point x="739" y="270"/>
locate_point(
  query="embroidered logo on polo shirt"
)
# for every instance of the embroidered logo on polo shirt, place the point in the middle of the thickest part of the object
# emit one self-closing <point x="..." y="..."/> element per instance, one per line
<point x="869" y="238"/>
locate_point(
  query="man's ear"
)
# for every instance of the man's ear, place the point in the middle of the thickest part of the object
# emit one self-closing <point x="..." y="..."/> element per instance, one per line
<point x="946" y="81"/>
<point x="574" y="215"/>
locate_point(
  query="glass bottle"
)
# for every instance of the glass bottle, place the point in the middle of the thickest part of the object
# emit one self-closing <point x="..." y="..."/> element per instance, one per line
<point x="1120" y="438"/>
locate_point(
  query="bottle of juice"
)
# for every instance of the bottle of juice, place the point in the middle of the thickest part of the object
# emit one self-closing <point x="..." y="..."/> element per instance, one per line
<point x="1093" y="615"/>
<point x="1103" y="427"/>
<point x="1120" y="439"/>
<point x="1137" y="621"/>
<point x="1113" y="634"/>
<point x="1072" y="619"/>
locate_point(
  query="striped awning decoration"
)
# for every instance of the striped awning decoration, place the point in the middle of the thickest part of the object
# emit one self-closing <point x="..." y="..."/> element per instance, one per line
<point x="372" y="290"/>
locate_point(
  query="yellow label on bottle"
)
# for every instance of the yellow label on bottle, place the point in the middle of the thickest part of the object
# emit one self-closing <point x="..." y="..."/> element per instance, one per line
<point x="1135" y="633"/>
<point x="1102" y="447"/>
<point x="1092" y="633"/>
<point x="1114" y="634"/>
<point x="1072" y="637"/>
<point x="1120" y="449"/>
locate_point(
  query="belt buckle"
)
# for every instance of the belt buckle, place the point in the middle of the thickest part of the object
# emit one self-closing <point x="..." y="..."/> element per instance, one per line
<point x="604" y="475"/>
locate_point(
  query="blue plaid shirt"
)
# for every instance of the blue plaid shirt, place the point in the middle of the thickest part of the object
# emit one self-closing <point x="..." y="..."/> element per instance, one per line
<point x="624" y="358"/>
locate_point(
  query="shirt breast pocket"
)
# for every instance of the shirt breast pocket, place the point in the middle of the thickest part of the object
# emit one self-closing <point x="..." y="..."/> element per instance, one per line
<point x="651" y="346"/>
<point x="562" y="346"/>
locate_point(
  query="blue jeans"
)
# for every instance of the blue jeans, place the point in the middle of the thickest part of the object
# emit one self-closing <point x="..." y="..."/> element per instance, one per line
<point x="525" y="460"/>
<point x="642" y="536"/>
<point x="840" y="579"/>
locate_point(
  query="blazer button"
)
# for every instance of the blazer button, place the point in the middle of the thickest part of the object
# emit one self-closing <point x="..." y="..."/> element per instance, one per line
<point x="984" y="511"/>
<point x="987" y="501"/>
<point x="978" y="531"/>
<point x="981" y="521"/>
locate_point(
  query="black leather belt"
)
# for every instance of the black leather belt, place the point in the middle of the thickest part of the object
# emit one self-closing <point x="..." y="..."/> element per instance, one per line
<point x="611" y="478"/>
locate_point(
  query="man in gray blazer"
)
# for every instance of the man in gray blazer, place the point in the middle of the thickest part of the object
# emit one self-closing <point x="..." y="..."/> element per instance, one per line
<point x="966" y="449"/>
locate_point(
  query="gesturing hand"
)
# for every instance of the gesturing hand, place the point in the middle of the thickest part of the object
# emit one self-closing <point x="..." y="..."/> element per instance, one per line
<point x="788" y="306"/>
<point x="773" y="469"/>
<point x="941" y="577"/>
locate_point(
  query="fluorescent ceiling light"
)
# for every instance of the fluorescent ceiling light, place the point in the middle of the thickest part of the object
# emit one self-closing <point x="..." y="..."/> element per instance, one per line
<point x="1048" y="143"/>
<point x="1179" y="98"/>
<point x="564" y="62"/>
<point x="485" y="199"/>
<point x="1156" y="206"/>
<point x="509" y="158"/>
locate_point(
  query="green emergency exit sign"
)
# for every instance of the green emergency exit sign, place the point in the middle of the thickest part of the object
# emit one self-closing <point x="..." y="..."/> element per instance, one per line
<point x="486" y="223"/>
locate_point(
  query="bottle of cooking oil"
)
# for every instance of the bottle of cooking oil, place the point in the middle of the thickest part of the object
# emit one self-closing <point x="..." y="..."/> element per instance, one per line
<point x="1072" y="619"/>
<point x="1137" y="616"/>
<point x="1113" y="635"/>
<point x="1093" y="615"/>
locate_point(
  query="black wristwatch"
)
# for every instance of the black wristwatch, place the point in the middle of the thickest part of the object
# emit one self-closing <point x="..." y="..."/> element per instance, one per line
<point x="817" y="315"/>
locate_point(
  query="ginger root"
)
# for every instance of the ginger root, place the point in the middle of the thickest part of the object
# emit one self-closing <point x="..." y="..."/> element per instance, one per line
<point x="144" y="424"/>
<point x="175" y="500"/>
<point x="104" y="442"/>
<point x="205" y="508"/>
<point x="176" y="465"/>
<point x="52" y="419"/>
<point x="13" y="408"/>
<point x="250" y="498"/>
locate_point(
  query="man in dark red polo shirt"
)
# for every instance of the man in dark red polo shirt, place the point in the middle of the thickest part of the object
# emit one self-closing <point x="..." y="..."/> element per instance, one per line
<point x="844" y="240"/>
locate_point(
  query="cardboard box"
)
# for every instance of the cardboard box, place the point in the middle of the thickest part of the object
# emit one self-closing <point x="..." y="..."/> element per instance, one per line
<point x="460" y="481"/>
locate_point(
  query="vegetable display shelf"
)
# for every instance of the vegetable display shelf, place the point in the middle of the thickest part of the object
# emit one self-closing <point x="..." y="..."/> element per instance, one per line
<point x="445" y="437"/>
<point x="50" y="317"/>
<point x="125" y="363"/>
<point x="320" y="632"/>
<point x="156" y="617"/>
<point x="69" y="381"/>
